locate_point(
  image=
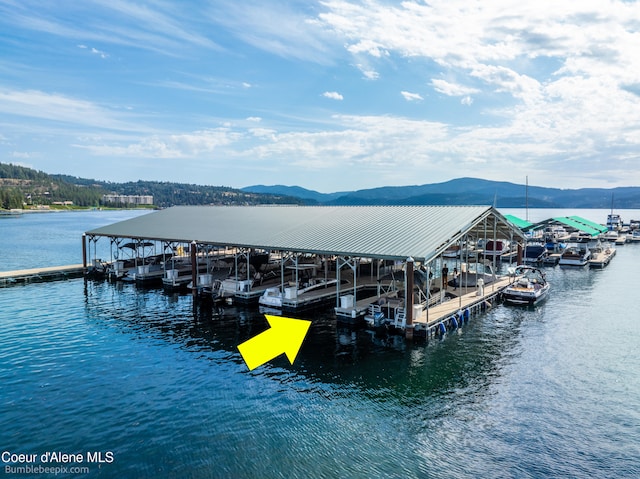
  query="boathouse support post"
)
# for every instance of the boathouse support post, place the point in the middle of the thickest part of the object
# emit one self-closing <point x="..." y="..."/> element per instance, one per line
<point x="194" y="268"/>
<point x="282" y="260"/>
<point x="429" y="279"/>
<point x="84" y="253"/>
<point x="520" y="254"/>
<point x="297" y="275"/>
<point x="408" y="298"/>
<point x="249" y="267"/>
<point x="338" y="279"/>
<point x="495" y="242"/>
<point x="464" y="259"/>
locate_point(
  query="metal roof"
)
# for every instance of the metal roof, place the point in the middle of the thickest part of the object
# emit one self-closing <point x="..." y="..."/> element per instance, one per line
<point x="592" y="224"/>
<point x="580" y="226"/>
<point x="519" y="222"/>
<point x="389" y="232"/>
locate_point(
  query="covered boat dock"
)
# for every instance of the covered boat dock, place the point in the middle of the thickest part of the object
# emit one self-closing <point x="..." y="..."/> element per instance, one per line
<point x="371" y="254"/>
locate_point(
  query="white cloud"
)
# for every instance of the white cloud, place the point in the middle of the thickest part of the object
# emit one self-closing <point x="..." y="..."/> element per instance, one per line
<point x="95" y="51"/>
<point x="452" y="89"/>
<point x="411" y="96"/>
<point x="275" y="27"/>
<point x="159" y="27"/>
<point x="560" y="71"/>
<point x="100" y="53"/>
<point x="169" y="146"/>
<point x="333" y="95"/>
<point x="61" y="109"/>
<point x="496" y="42"/>
<point x="371" y="74"/>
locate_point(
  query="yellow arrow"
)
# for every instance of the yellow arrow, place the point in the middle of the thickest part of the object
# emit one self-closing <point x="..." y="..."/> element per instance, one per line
<point x="284" y="336"/>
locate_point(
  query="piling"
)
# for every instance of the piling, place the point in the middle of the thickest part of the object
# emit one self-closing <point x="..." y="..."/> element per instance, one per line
<point x="409" y="299"/>
<point x="194" y="268"/>
<point x="84" y="253"/>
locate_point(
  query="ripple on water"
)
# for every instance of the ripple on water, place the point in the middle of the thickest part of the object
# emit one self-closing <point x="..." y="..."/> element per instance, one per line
<point x="516" y="393"/>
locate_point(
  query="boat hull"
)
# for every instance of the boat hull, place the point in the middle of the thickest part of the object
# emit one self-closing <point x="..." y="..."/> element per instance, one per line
<point x="527" y="290"/>
<point x="524" y="298"/>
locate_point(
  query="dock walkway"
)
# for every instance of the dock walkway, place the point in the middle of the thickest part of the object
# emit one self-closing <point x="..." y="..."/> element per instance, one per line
<point x="441" y="312"/>
<point x="38" y="275"/>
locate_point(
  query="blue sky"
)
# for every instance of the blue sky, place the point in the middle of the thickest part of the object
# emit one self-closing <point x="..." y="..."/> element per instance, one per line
<point x="332" y="95"/>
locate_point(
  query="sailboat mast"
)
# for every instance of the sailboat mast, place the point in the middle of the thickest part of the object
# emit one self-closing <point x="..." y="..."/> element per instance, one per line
<point x="526" y="198"/>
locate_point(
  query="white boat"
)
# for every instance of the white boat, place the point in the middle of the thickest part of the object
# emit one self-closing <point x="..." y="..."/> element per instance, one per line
<point x="228" y="288"/>
<point x="575" y="256"/>
<point x="555" y="234"/>
<point x="635" y="236"/>
<point x="535" y="254"/>
<point x="529" y="288"/>
<point x="273" y="297"/>
<point x="496" y="248"/>
<point x="614" y="222"/>
<point x="471" y="273"/>
<point x="621" y="239"/>
<point x="456" y="251"/>
<point x="601" y="255"/>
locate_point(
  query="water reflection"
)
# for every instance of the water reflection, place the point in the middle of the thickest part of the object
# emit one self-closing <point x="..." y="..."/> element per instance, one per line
<point x="380" y="366"/>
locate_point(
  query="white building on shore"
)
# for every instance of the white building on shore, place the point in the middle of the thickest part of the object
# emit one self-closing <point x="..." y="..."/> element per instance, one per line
<point x="128" y="199"/>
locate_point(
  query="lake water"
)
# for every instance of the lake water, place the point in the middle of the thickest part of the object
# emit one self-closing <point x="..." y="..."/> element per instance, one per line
<point x="157" y="387"/>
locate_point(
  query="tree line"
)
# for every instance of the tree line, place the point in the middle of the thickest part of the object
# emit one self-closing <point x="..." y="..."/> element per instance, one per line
<point x="20" y="185"/>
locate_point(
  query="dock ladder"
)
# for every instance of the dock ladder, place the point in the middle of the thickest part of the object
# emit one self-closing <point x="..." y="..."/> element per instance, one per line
<point x="400" y="320"/>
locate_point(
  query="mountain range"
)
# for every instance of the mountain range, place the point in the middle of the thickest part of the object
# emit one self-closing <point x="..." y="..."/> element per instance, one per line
<point x="467" y="191"/>
<point x="20" y="185"/>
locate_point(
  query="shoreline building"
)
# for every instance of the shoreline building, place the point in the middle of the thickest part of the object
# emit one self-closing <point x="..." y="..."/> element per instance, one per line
<point x="128" y="199"/>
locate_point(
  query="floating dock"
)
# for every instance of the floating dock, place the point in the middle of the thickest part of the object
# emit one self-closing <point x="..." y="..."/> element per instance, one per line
<point x="451" y="313"/>
<point x="601" y="257"/>
<point x="39" y="275"/>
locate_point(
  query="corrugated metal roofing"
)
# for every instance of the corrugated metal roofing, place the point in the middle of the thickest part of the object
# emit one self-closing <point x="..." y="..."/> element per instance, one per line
<point x="565" y="220"/>
<point x="393" y="232"/>
<point x="519" y="222"/>
<point x="592" y="224"/>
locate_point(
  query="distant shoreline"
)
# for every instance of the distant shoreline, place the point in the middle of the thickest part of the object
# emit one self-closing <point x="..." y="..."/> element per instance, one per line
<point x="17" y="211"/>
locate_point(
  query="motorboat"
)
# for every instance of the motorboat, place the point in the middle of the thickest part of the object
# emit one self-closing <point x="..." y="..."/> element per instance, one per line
<point x="621" y="239"/>
<point x="575" y="256"/>
<point x="456" y="251"/>
<point x="535" y="254"/>
<point x="273" y="296"/>
<point x="601" y="255"/>
<point x="529" y="288"/>
<point x="228" y="288"/>
<point x="555" y="234"/>
<point x="471" y="273"/>
<point x="614" y="222"/>
<point x="496" y="248"/>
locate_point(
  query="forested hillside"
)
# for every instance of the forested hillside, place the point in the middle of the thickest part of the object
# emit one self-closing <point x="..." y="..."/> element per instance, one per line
<point x="20" y="185"/>
<point x="25" y="187"/>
